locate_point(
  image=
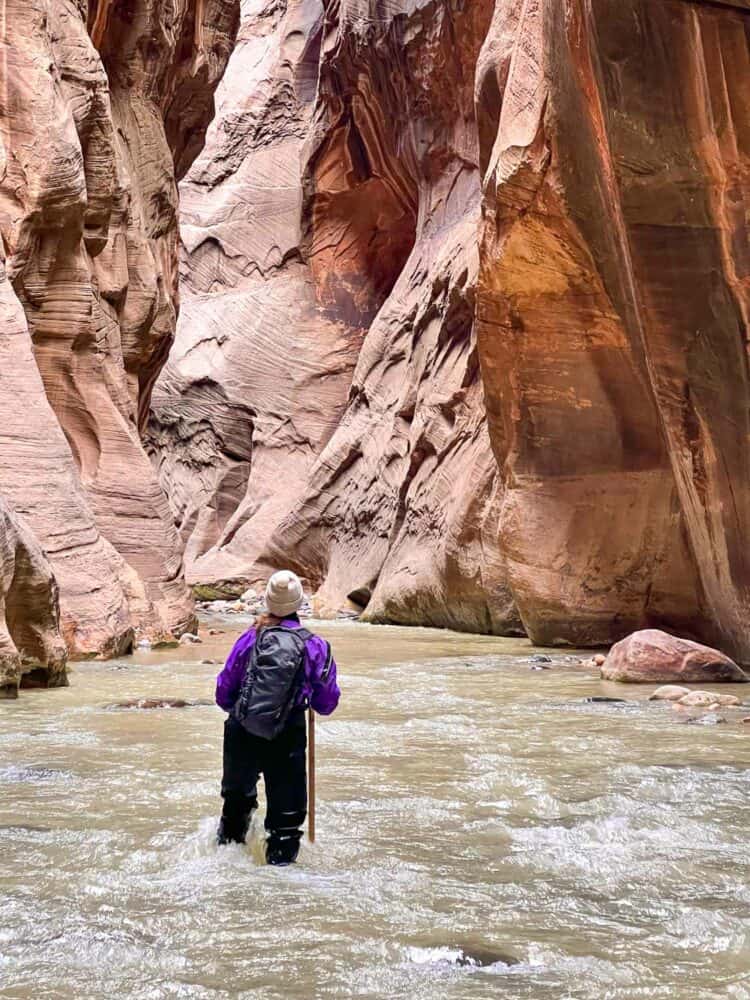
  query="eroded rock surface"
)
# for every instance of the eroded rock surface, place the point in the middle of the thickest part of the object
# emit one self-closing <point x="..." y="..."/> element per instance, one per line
<point x="612" y="313"/>
<point x="32" y="650"/>
<point x="322" y="407"/>
<point x="466" y="316"/>
<point x="100" y="104"/>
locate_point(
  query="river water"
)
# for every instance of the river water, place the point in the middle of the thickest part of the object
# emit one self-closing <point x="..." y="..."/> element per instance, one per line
<point x="483" y="832"/>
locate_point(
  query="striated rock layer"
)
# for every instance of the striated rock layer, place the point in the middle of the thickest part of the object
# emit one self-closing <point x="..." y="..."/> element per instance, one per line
<point x="101" y="104"/>
<point x="466" y="316"/>
<point x="323" y="398"/>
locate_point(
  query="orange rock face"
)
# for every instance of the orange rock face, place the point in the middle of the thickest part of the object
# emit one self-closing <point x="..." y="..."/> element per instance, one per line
<point x="100" y="105"/>
<point x="612" y="312"/>
<point x="466" y="316"/>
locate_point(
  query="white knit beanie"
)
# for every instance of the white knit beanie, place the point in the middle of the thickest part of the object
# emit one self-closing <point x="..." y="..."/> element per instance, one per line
<point x="284" y="594"/>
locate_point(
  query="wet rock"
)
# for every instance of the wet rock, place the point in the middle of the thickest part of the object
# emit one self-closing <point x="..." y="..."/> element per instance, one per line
<point x="697" y="699"/>
<point x="708" y="719"/>
<point x="190" y="639"/>
<point x="599" y="659"/>
<point x="540" y="658"/>
<point x="651" y="655"/>
<point x="151" y="703"/>
<point x="462" y="957"/>
<point x="708" y="699"/>
<point x="216" y="631"/>
<point x="222" y="590"/>
<point x="598" y="699"/>
<point x="669" y="692"/>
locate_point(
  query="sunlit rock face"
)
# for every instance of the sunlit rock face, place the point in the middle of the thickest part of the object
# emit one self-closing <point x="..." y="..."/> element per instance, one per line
<point x="100" y="104"/>
<point x="612" y="313"/>
<point x="466" y="312"/>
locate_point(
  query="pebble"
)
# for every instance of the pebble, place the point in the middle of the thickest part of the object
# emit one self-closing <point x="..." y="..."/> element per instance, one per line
<point x="190" y="638"/>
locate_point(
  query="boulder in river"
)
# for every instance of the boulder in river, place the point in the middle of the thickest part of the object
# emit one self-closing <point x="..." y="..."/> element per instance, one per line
<point x="669" y="692"/>
<point x="708" y="699"/>
<point x="650" y="656"/>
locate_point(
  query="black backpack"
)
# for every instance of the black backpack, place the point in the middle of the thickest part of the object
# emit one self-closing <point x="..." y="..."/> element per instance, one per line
<point x="272" y="680"/>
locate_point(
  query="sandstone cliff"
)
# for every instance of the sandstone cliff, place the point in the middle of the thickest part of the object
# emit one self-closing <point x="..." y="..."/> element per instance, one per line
<point x="466" y="315"/>
<point x="32" y="650"/>
<point x="101" y="104"/>
<point x="323" y="399"/>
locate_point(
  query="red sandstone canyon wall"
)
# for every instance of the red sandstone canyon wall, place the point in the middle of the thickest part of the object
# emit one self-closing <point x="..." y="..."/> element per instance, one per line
<point x="322" y="406"/>
<point x="102" y="106"/>
<point x="612" y="312"/>
<point x="511" y="385"/>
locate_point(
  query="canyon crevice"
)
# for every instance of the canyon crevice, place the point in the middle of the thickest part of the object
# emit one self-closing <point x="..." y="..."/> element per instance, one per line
<point x="465" y="316"/>
<point x="463" y="333"/>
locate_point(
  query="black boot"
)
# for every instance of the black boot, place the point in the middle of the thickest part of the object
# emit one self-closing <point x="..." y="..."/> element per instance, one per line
<point x="282" y="849"/>
<point x="235" y="819"/>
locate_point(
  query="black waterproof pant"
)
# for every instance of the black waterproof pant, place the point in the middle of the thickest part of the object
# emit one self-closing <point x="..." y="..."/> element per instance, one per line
<point x="282" y="762"/>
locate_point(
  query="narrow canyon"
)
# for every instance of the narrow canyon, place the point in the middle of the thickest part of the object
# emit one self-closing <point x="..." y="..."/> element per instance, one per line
<point x="443" y="305"/>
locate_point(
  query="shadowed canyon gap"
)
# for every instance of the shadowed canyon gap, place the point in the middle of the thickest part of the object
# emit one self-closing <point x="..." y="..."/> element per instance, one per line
<point x="465" y="316"/>
<point x="464" y="309"/>
<point x="102" y="105"/>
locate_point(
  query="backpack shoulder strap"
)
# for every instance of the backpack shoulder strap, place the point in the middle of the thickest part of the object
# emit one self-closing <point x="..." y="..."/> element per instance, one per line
<point x="329" y="661"/>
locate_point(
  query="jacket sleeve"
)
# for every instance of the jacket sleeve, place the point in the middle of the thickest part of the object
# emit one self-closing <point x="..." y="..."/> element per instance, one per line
<point x="229" y="681"/>
<point x="325" y="690"/>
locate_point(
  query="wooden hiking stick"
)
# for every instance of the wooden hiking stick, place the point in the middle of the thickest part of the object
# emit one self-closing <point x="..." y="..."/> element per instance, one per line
<point x="311" y="776"/>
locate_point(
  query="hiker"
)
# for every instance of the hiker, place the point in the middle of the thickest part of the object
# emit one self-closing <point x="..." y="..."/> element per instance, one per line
<point x="274" y="672"/>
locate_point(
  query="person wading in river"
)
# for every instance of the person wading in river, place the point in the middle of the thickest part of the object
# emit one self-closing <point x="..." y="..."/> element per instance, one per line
<point x="274" y="672"/>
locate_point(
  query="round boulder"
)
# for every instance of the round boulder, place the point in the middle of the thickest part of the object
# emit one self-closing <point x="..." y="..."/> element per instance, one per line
<point x="652" y="656"/>
<point x="669" y="692"/>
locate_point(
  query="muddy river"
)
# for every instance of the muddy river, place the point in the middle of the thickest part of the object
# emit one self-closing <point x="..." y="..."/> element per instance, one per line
<point x="483" y="832"/>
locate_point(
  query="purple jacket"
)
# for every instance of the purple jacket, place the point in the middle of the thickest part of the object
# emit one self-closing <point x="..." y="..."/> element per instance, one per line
<point x="319" y="686"/>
